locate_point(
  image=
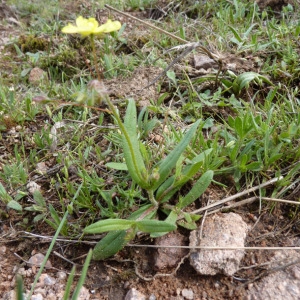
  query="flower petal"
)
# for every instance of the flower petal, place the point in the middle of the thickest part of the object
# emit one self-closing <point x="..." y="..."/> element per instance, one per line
<point x="89" y="26"/>
<point x="109" y="26"/>
<point x="70" y="29"/>
<point x="80" y="21"/>
<point x="94" y="23"/>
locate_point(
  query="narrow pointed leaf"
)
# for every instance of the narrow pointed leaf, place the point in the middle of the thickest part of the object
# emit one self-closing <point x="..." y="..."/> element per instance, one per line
<point x="108" y="225"/>
<point x="14" y="205"/>
<point x="133" y="157"/>
<point x="113" y="242"/>
<point x="155" y="226"/>
<point x="171" y="219"/>
<point x="197" y="190"/>
<point x="166" y="166"/>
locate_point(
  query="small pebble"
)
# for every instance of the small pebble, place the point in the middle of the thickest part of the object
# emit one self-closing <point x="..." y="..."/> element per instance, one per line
<point x="51" y="296"/>
<point x="37" y="297"/>
<point x="2" y="250"/>
<point x="295" y="271"/>
<point x="46" y="279"/>
<point x="126" y="284"/>
<point x="187" y="294"/>
<point x="32" y="187"/>
<point x="37" y="260"/>
<point x="41" y="291"/>
<point x="134" y="294"/>
<point x="152" y="297"/>
<point x="84" y="294"/>
<point x="61" y="275"/>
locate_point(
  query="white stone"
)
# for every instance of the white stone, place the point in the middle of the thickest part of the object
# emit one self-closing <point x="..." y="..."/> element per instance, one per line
<point x="134" y="294"/>
<point x="61" y="275"/>
<point x="32" y="186"/>
<point x="46" y="280"/>
<point x="187" y="294"/>
<point x="37" y="297"/>
<point x="222" y="230"/>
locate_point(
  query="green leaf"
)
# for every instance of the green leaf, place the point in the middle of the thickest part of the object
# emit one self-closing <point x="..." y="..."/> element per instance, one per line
<point x="14" y="205"/>
<point x="152" y="226"/>
<point x="173" y="184"/>
<point x="171" y="219"/>
<point x="197" y="190"/>
<point x="255" y="166"/>
<point x="167" y="165"/>
<point x="172" y="76"/>
<point x="109" y="225"/>
<point x="274" y="157"/>
<point x="25" y="72"/>
<point x="39" y="199"/>
<point x="20" y="195"/>
<point x="235" y="33"/>
<point x="57" y="221"/>
<point x="133" y="157"/>
<point x="113" y="242"/>
<point x="238" y="125"/>
<point x="36" y="208"/>
<point x="151" y="212"/>
<point x="189" y="221"/>
<point x="202" y="156"/>
<point x="117" y="166"/>
<point x="188" y="225"/>
<point x="243" y="80"/>
<point x="38" y="218"/>
<point x="54" y="215"/>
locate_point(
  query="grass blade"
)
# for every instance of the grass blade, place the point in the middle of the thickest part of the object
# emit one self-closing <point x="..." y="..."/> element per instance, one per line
<point x="83" y="275"/>
<point x="69" y="284"/>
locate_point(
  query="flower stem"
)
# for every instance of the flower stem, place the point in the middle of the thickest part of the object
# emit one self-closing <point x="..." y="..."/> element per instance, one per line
<point x="99" y="74"/>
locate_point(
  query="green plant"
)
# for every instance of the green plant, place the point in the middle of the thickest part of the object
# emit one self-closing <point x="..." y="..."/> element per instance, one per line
<point x="155" y="179"/>
<point x="243" y="80"/>
<point x="159" y="183"/>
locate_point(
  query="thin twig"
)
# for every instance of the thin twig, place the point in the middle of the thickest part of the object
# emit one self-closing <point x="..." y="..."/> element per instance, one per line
<point x="212" y="247"/>
<point x="250" y="200"/>
<point x="62" y="257"/>
<point x="234" y="205"/>
<point x="147" y="24"/>
<point x="61" y="239"/>
<point x="238" y="195"/>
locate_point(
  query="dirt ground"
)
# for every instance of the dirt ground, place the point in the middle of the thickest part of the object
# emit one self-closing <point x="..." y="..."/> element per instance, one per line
<point x="133" y="266"/>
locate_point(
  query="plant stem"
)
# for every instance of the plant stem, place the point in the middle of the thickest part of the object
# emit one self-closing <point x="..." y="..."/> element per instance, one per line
<point x="151" y="198"/>
<point x="99" y="75"/>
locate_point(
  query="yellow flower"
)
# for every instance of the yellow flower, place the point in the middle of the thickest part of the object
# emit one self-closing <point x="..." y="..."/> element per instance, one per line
<point x="90" y="26"/>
